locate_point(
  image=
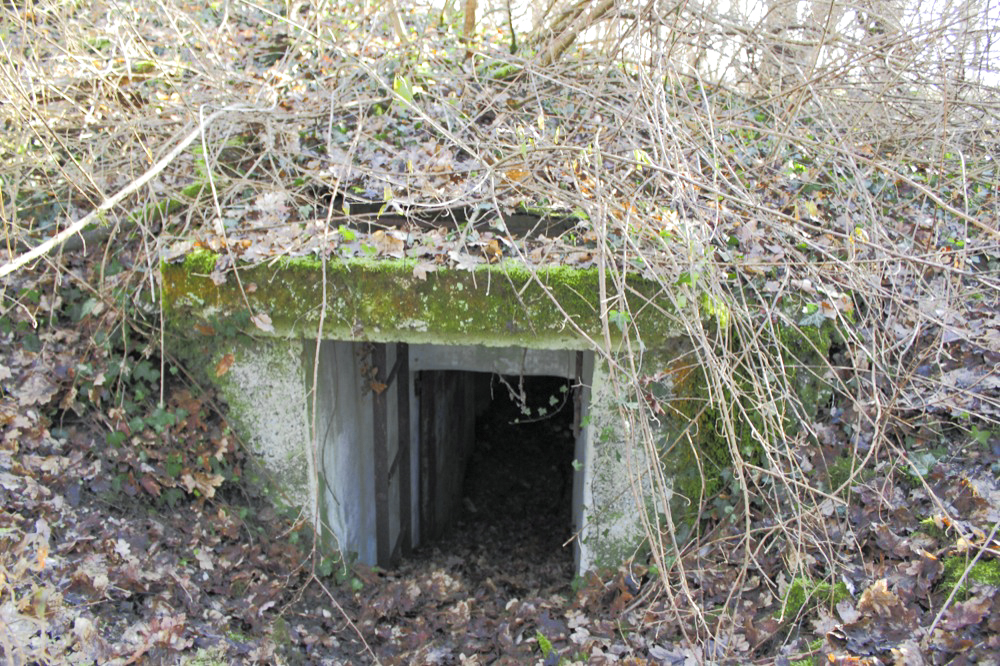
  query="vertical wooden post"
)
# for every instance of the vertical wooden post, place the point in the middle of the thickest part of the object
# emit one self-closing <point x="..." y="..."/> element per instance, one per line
<point x="381" y="452"/>
<point x="390" y="545"/>
<point x="427" y="387"/>
<point x="402" y="464"/>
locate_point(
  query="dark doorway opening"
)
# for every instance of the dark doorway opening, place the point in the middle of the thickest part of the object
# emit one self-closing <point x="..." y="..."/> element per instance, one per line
<point x="516" y="508"/>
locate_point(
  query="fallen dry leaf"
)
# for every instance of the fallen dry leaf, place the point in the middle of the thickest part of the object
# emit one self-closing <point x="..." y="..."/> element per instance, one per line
<point x="37" y="389"/>
<point x="263" y="321"/>
<point x="493" y="251"/>
<point x="222" y="367"/>
<point x="150" y="485"/>
<point x="516" y="175"/>
<point x="421" y="270"/>
<point x="966" y="613"/>
<point x="203" y="483"/>
<point x="390" y="243"/>
<point x="878" y="599"/>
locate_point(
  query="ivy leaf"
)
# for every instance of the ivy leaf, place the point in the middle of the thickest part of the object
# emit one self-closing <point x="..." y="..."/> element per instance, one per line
<point x="402" y="87"/>
<point x="619" y="319"/>
<point x="544" y="644"/>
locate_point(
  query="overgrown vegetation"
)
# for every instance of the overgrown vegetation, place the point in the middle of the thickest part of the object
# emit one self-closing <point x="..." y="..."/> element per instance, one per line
<point x="842" y="161"/>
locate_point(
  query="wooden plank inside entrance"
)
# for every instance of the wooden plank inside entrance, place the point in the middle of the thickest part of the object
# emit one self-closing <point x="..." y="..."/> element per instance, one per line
<point x="393" y="539"/>
<point x="381" y="450"/>
<point x="426" y="395"/>
<point x="401" y="465"/>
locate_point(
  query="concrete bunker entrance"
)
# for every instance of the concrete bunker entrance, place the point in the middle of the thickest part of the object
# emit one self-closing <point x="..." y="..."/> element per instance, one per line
<point x="513" y="508"/>
<point x="433" y="446"/>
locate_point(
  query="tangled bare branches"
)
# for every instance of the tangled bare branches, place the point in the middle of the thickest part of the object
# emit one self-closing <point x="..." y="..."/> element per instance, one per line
<point x="841" y="157"/>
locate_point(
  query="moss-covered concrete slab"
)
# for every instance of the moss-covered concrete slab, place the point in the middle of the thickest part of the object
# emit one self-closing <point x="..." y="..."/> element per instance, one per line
<point x="383" y="300"/>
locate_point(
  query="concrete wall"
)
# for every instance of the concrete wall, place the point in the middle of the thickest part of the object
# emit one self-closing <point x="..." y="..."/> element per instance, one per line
<point x="476" y="320"/>
<point x="612" y="527"/>
<point x="266" y="391"/>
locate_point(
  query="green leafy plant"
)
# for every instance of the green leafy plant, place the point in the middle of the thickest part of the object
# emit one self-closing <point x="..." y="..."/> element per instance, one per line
<point x="544" y="644"/>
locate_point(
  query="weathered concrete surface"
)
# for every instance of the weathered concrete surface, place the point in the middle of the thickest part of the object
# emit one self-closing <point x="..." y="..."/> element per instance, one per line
<point x="266" y="391"/>
<point x="613" y="529"/>
<point x="501" y="304"/>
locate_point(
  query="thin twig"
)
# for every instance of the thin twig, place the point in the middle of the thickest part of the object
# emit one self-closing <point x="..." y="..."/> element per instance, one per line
<point x="129" y="189"/>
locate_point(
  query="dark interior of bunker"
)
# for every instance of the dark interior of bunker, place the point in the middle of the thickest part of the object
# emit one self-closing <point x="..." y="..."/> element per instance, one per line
<point x="515" y="513"/>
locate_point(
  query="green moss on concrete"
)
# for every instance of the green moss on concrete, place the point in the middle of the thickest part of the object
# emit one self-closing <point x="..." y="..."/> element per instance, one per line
<point x="271" y="372"/>
<point x="696" y="450"/>
<point x="327" y="538"/>
<point x="839" y="470"/>
<point x="716" y="309"/>
<point x="804" y="350"/>
<point x="608" y="550"/>
<point x="200" y="263"/>
<point x="381" y="300"/>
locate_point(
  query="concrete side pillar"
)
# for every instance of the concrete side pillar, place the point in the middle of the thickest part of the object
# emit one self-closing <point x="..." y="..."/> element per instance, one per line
<point x="266" y="391"/>
<point x="612" y="525"/>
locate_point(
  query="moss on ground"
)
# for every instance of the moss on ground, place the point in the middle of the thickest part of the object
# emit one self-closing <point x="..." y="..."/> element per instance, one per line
<point x="986" y="572"/>
<point x="804" y="591"/>
<point x="929" y="527"/>
<point x="214" y="656"/>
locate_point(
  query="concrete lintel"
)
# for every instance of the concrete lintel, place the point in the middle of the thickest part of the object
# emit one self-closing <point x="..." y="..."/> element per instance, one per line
<point x="499" y="360"/>
<point x="494" y="305"/>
